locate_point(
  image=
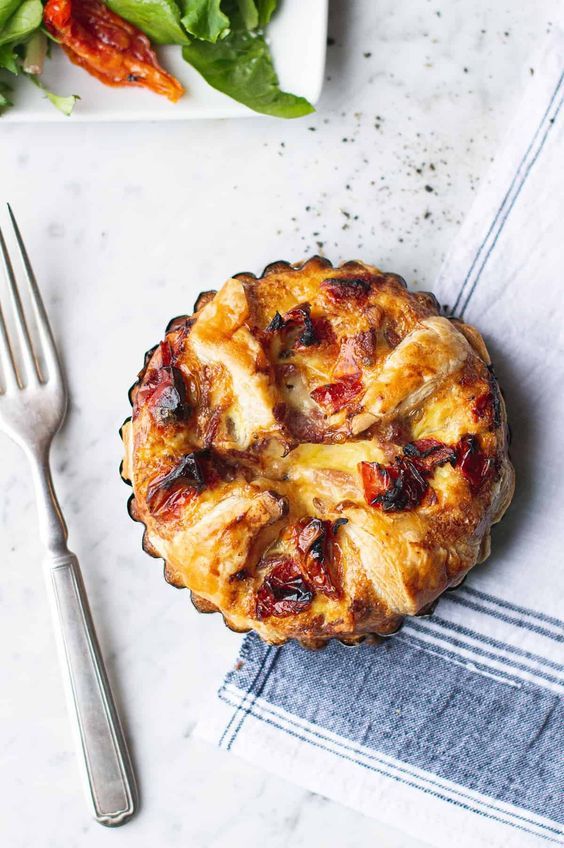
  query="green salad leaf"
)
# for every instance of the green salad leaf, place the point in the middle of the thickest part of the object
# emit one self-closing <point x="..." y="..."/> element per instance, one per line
<point x="9" y="59"/>
<point x="159" y="19"/>
<point x="25" y="20"/>
<point x="204" y="19"/>
<point x="256" y="13"/>
<point x="5" y="101"/>
<point x="241" y="66"/>
<point x="249" y="13"/>
<point x="222" y="39"/>
<point x="7" y="9"/>
<point x="64" y="103"/>
<point x="266" y="9"/>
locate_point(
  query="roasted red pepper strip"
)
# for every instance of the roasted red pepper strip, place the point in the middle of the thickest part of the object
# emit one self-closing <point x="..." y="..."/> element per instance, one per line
<point x="334" y="396"/>
<point x="319" y="554"/>
<point x="105" y="45"/>
<point x="473" y="462"/>
<point x="284" y="591"/>
<point x="394" y="488"/>
<point x="403" y="485"/>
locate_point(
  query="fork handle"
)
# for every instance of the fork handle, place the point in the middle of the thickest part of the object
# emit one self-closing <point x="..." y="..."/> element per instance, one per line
<point x="107" y="766"/>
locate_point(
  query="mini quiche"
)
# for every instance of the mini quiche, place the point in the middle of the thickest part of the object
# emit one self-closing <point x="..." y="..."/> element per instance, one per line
<point x="317" y="453"/>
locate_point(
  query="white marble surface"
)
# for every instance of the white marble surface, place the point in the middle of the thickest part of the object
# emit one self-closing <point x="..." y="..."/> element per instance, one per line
<point x="125" y="224"/>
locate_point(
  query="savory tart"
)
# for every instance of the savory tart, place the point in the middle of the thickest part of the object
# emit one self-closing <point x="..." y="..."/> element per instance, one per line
<point x="317" y="452"/>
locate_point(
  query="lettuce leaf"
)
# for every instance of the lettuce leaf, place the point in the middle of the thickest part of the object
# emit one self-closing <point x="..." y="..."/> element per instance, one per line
<point x="159" y="19"/>
<point x="222" y="39"/>
<point x="5" y="101"/>
<point x="9" y="59"/>
<point x="256" y="13"/>
<point x="22" y="22"/>
<point x="266" y="9"/>
<point x="204" y="19"/>
<point x="7" y="9"/>
<point x="64" y="103"/>
<point x="241" y="66"/>
<point x="249" y="13"/>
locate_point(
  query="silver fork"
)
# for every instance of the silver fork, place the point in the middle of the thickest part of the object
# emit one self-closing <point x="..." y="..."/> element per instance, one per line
<point x="33" y="403"/>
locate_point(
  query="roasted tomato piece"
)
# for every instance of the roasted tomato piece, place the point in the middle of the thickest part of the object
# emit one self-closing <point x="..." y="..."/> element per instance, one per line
<point x="488" y="404"/>
<point x="169" y="502"/>
<point x="428" y="453"/>
<point x="165" y="351"/>
<point x="299" y="330"/>
<point x="284" y="591"/>
<point x="150" y="382"/>
<point x="482" y="405"/>
<point x="308" y="331"/>
<point x="300" y="317"/>
<point x="334" y="396"/>
<point x="275" y="324"/>
<point x="170" y="491"/>
<point x="320" y="554"/>
<point x="403" y="485"/>
<point x="393" y="488"/>
<point x="164" y="390"/>
<point x="105" y="45"/>
<point x="168" y="401"/>
<point x="348" y="288"/>
<point x="473" y="462"/>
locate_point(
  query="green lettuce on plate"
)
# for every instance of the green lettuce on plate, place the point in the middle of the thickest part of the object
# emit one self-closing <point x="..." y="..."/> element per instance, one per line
<point x="23" y="47"/>
<point x="224" y="40"/>
<point x="158" y="19"/>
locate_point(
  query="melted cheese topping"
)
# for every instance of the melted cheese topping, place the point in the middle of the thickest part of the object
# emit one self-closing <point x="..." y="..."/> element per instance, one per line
<point x="257" y="416"/>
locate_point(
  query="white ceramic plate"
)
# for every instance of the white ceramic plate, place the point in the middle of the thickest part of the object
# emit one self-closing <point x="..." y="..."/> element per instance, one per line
<point x="297" y="36"/>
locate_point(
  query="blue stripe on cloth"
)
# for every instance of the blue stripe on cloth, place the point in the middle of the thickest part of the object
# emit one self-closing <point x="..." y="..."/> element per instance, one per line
<point x="405" y="703"/>
<point x="510" y="619"/>
<point x="516" y="178"/>
<point x="509" y="209"/>
<point x="479" y="662"/>
<point x="493" y="599"/>
<point x="434" y="623"/>
<point x="270" y="717"/>
<point x="253" y="691"/>
<point x="451" y="640"/>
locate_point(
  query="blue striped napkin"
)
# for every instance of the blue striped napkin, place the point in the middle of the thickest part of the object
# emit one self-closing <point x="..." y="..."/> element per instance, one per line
<point x="452" y="730"/>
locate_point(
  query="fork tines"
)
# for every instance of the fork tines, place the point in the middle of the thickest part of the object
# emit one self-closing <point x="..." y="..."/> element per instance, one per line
<point x="27" y="358"/>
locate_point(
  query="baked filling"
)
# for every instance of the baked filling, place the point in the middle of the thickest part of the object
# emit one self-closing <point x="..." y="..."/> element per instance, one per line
<point x="318" y="452"/>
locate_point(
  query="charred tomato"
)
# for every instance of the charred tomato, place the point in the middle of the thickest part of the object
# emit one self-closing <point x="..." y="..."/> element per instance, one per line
<point x="488" y="404"/>
<point x="334" y="396"/>
<point x="342" y="289"/>
<point x="164" y="390"/>
<point x="393" y="488"/>
<point x="107" y="46"/>
<point x="428" y="453"/>
<point x="404" y="484"/>
<point x="300" y="329"/>
<point x="475" y="466"/>
<point x="319" y="554"/>
<point x="284" y="591"/>
<point x="169" y="492"/>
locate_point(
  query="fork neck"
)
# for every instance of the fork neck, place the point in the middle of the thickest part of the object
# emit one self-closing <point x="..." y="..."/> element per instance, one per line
<point x="52" y="527"/>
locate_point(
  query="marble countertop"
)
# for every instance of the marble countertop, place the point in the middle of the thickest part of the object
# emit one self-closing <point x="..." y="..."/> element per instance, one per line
<point x="125" y="223"/>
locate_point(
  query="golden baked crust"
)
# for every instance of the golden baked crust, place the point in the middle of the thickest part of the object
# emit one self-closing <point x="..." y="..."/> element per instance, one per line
<point x="317" y="453"/>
